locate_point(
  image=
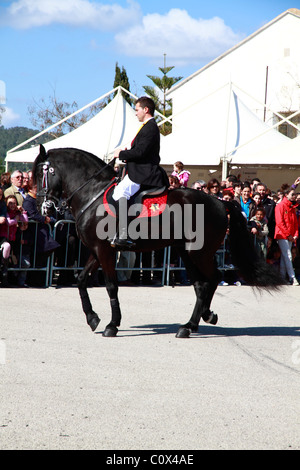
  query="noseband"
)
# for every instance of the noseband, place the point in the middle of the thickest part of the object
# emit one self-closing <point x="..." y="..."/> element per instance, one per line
<point x="61" y="205"/>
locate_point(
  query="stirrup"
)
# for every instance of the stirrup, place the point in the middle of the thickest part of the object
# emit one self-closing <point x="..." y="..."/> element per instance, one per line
<point x="122" y="243"/>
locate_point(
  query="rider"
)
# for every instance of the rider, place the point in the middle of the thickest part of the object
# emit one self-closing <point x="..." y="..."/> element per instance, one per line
<point x="142" y="165"/>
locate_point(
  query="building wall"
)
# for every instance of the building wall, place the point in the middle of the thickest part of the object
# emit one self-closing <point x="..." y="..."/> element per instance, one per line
<point x="274" y="48"/>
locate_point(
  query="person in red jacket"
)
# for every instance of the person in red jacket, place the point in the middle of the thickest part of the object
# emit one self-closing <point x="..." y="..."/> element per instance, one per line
<point x="286" y="233"/>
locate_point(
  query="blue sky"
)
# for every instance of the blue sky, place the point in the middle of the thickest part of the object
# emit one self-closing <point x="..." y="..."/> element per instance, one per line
<point x="71" y="47"/>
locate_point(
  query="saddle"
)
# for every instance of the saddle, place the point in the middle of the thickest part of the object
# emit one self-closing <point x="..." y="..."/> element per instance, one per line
<point x="152" y="201"/>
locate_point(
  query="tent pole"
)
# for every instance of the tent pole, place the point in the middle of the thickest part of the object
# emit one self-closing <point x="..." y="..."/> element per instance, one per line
<point x="266" y="93"/>
<point x="112" y="125"/>
<point x="224" y="168"/>
<point x="224" y="159"/>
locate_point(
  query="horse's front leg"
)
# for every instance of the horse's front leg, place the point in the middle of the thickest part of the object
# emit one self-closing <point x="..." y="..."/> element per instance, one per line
<point x="91" y="317"/>
<point x="111" y="282"/>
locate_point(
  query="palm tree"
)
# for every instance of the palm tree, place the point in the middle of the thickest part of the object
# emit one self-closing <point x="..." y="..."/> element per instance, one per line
<point x="158" y="94"/>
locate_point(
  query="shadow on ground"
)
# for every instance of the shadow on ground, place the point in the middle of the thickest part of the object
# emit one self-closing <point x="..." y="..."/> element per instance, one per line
<point x="210" y="331"/>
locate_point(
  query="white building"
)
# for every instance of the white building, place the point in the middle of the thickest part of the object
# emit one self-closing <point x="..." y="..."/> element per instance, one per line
<point x="224" y="110"/>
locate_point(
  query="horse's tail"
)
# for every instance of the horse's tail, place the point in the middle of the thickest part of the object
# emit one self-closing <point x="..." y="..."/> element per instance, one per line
<point x="253" y="268"/>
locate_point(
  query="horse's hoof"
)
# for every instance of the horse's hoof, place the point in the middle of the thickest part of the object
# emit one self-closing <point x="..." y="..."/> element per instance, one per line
<point x="93" y="322"/>
<point x="212" y="319"/>
<point x="110" y="332"/>
<point x="183" y="333"/>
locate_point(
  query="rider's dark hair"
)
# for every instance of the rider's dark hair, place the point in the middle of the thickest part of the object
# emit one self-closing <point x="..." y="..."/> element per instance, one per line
<point x="146" y="102"/>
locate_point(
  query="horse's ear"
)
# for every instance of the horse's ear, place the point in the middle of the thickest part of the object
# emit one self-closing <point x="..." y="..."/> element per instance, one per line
<point x="42" y="151"/>
<point x="40" y="158"/>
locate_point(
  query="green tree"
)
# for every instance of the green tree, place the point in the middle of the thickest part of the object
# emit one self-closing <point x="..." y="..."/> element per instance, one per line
<point x="121" y="79"/>
<point x="13" y="136"/>
<point x="158" y="94"/>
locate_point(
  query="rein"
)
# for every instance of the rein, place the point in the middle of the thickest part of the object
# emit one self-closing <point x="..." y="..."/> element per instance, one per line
<point x="63" y="204"/>
<point x="88" y="204"/>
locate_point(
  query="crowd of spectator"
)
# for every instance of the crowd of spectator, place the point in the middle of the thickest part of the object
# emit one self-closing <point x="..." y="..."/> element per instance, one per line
<point x="273" y="219"/>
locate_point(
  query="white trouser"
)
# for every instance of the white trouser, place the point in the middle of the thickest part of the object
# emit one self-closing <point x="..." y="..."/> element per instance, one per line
<point x="126" y="188"/>
<point x="5" y="247"/>
<point x="286" y="265"/>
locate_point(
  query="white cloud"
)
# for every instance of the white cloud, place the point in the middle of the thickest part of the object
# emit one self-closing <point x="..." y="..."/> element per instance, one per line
<point x="9" y="118"/>
<point x="24" y="14"/>
<point x="184" y="39"/>
<point x="180" y="36"/>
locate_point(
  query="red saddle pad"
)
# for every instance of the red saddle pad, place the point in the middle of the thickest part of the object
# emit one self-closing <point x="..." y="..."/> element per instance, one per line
<point x="152" y="205"/>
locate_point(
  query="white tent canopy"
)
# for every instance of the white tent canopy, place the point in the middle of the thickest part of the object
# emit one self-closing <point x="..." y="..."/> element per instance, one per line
<point x="114" y="126"/>
<point x="218" y="127"/>
<point x="287" y="153"/>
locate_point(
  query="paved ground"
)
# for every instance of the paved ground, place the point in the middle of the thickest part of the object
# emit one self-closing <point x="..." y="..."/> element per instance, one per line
<point x="232" y="386"/>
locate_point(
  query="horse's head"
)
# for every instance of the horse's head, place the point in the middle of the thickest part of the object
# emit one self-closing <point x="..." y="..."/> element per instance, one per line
<point x="48" y="182"/>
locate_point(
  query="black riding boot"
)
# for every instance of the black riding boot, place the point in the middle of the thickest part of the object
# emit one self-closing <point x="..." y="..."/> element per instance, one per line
<point x="121" y="239"/>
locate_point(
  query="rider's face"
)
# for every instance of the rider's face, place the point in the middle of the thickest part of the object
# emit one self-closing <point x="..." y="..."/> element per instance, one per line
<point x="140" y="112"/>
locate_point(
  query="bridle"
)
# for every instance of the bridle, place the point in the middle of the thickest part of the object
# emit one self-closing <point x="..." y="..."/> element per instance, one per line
<point x="62" y="204"/>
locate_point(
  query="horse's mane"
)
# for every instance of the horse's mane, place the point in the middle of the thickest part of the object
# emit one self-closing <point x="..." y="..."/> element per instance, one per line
<point x="87" y="156"/>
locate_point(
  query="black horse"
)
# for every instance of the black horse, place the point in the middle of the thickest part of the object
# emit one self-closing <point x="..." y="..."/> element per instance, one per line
<point x="79" y="180"/>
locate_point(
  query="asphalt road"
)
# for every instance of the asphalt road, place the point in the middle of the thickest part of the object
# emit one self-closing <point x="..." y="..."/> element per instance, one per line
<point x="231" y="386"/>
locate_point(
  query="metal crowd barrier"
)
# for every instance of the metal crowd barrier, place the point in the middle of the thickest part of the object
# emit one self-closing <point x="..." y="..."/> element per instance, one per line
<point x="79" y="266"/>
<point x="143" y="268"/>
<point x="167" y="269"/>
<point x="223" y="263"/>
<point x="23" y="257"/>
<point x="223" y="257"/>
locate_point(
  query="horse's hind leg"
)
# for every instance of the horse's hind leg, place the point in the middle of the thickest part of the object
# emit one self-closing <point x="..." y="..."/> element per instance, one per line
<point x="205" y="285"/>
<point x="204" y="292"/>
<point x="91" y="317"/>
